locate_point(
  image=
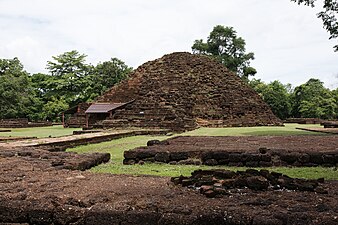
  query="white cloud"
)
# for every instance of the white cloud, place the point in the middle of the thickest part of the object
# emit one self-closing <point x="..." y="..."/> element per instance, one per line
<point x="288" y="40"/>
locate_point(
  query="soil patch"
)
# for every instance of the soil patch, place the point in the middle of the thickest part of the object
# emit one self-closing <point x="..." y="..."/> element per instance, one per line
<point x="47" y="160"/>
<point x="31" y="192"/>
<point x="251" y="151"/>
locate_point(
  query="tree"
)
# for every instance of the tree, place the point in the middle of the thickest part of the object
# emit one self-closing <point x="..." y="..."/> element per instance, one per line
<point x="328" y="16"/>
<point x="69" y="77"/>
<point x="335" y="96"/>
<point x="16" y="92"/>
<point x="53" y="108"/>
<point x="313" y="100"/>
<point x="276" y="95"/>
<point x="107" y="74"/>
<point x="224" y="45"/>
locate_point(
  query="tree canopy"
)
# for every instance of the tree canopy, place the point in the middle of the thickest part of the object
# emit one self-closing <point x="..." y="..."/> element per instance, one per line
<point x="69" y="80"/>
<point x="276" y="95"/>
<point x="16" y="92"/>
<point x="69" y="77"/>
<point x="224" y="45"/>
<point x="107" y="74"/>
<point x="309" y="100"/>
<point x="329" y="16"/>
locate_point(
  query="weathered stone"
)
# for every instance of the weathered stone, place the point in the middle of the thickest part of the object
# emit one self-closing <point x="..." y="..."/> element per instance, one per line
<point x="190" y="162"/>
<point x="263" y="150"/>
<point x="290" y="158"/>
<point x="153" y="142"/>
<point x="257" y="183"/>
<point x="329" y="159"/>
<point x="167" y="93"/>
<point x="162" y="157"/>
<point x="224" y="174"/>
<point x="211" y="162"/>
<point x="265" y="158"/>
<point x="129" y="162"/>
<point x="210" y="193"/>
<point x="252" y="164"/>
<point x="265" y="164"/>
<point x="234" y="157"/>
<point x="304" y="158"/>
<point x="316" y="158"/>
<point x="177" y="156"/>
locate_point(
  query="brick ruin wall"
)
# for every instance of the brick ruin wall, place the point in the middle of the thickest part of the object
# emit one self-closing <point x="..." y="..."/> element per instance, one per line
<point x="22" y="123"/>
<point x="78" y="119"/>
<point x="181" y="91"/>
<point x="239" y="151"/>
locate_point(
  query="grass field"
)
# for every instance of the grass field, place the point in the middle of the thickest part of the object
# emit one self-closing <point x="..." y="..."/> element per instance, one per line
<point x="288" y="129"/>
<point x="117" y="147"/>
<point x="40" y="132"/>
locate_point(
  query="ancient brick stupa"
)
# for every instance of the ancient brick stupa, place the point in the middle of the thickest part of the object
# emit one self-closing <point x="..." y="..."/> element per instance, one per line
<point x="182" y="91"/>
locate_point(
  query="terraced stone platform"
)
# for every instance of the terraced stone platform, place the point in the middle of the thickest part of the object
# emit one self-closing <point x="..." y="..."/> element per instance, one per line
<point x="251" y="151"/>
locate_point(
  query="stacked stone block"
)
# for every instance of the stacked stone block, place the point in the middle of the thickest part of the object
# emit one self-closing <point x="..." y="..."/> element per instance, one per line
<point x="182" y="91"/>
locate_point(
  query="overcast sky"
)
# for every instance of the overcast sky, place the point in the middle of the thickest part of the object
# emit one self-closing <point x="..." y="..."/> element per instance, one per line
<point x="288" y="40"/>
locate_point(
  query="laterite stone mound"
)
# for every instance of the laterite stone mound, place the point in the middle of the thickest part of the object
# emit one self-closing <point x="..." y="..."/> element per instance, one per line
<point x="182" y="91"/>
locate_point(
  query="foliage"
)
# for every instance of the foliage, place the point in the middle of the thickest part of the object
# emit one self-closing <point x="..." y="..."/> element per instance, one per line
<point x="69" y="77"/>
<point x="276" y="95"/>
<point x="309" y="100"/>
<point x="71" y="80"/>
<point x="313" y="100"/>
<point x="16" y="92"/>
<point x="106" y="75"/>
<point x="329" y="16"/>
<point x="53" y="108"/>
<point x="224" y="45"/>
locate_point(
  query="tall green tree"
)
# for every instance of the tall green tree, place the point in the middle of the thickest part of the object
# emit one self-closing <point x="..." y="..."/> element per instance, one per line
<point x="313" y="100"/>
<point x="335" y="96"/>
<point x="53" y="108"/>
<point x="329" y="16"/>
<point x="224" y="45"/>
<point x="16" y="92"/>
<point x="70" y="78"/>
<point x="107" y="74"/>
<point x="276" y="95"/>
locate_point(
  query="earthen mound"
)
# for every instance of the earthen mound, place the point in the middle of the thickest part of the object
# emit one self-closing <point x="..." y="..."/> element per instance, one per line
<point x="182" y="91"/>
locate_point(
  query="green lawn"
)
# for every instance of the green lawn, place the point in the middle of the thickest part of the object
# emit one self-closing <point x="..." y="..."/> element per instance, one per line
<point x="288" y="129"/>
<point x="40" y="132"/>
<point x="117" y="147"/>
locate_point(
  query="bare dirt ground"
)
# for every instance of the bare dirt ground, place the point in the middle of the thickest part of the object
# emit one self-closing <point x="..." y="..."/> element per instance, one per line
<point x="38" y="186"/>
<point x="33" y="193"/>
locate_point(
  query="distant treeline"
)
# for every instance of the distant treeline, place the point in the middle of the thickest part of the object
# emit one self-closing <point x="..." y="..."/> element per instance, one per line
<point x="309" y="100"/>
<point x="71" y="80"/>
